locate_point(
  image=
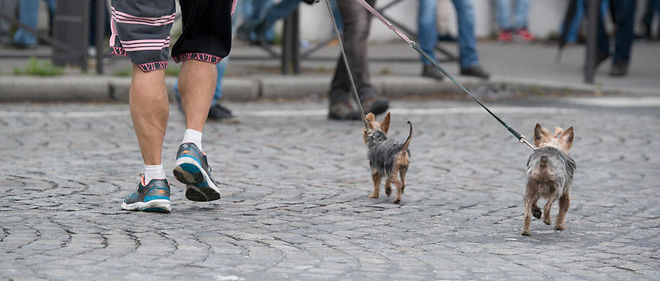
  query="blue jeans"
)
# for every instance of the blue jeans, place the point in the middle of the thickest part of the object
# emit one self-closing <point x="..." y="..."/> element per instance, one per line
<point x="253" y="12"/>
<point x="428" y="35"/>
<point x="573" y="29"/>
<point x="285" y="7"/>
<point x="28" y="14"/>
<point x="519" y="15"/>
<point x="624" y="12"/>
<point x="574" y="26"/>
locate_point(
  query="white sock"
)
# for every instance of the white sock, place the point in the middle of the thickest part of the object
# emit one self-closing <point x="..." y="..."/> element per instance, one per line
<point x="153" y="172"/>
<point x="193" y="136"/>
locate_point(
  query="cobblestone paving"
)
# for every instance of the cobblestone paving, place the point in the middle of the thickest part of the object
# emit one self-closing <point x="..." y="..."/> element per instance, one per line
<point x="295" y="204"/>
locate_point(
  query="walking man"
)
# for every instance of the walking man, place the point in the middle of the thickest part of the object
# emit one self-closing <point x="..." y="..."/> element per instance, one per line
<point x="141" y="31"/>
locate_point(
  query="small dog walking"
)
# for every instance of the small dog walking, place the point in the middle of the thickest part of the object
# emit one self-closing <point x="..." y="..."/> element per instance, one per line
<point x="549" y="175"/>
<point x="387" y="157"/>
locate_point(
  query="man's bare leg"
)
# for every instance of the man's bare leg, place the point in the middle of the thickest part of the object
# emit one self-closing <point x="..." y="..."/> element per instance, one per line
<point x="196" y="84"/>
<point x="150" y="109"/>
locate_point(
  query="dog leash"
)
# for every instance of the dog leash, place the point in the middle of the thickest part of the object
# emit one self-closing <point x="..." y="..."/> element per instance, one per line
<point x="426" y="56"/>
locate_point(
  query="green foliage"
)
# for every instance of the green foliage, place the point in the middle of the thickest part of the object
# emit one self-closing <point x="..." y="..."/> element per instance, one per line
<point x="123" y="72"/>
<point x="172" y="71"/>
<point x="34" y="67"/>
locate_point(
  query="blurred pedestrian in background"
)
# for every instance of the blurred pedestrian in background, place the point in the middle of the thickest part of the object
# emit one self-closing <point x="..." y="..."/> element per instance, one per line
<point x="28" y="14"/>
<point x="253" y="11"/>
<point x="467" y="41"/>
<point x="623" y="12"/>
<point x="7" y="7"/>
<point x="652" y="9"/>
<point x="518" y="28"/>
<point x="282" y="10"/>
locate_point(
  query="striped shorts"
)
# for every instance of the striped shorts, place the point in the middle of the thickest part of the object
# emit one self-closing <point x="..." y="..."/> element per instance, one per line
<point x="141" y="31"/>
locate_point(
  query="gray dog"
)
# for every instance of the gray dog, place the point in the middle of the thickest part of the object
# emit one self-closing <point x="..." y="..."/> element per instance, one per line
<point x="387" y="157"/>
<point x="549" y="175"/>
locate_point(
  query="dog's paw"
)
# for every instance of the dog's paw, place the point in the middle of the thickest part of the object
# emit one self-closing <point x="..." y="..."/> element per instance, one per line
<point x="536" y="212"/>
<point x="388" y="191"/>
<point x="560" y="227"/>
<point x="525" y="233"/>
<point x="374" y="196"/>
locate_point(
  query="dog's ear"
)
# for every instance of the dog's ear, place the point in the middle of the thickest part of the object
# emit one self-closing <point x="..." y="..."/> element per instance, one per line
<point x="541" y="135"/>
<point x="566" y="139"/>
<point x="385" y="125"/>
<point x="370" y="120"/>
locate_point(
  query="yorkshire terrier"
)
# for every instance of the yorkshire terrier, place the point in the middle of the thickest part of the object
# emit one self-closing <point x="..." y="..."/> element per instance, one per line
<point x="549" y="175"/>
<point x="387" y="157"/>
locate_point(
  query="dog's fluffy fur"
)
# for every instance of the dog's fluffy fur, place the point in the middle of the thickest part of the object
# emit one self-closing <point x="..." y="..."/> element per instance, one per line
<point x="549" y="175"/>
<point x="387" y="157"/>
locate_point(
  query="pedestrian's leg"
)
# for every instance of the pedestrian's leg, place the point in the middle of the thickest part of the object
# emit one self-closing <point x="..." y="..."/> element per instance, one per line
<point x="625" y="15"/>
<point x="427" y="33"/>
<point x="149" y="110"/>
<point x="603" y="40"/>
<point x="335" y="11"/>
<point x="196" y="86"/>
<point x="220" y="68"/>
<point x="357" y="23"/>
<point x="339" y="96"/>
<point x="148" y="99"/>
<point x="273" y="14"/>
<point x="503" y="16"/>
<point x="205" y="40"/>
<point x="647" y="19"/>
<point x="467" y="44"/>
<point x="356" y="33"/>
<point x="28" y="14"/>
<point x="521" y="13"/>
<point x="574" y="25"/>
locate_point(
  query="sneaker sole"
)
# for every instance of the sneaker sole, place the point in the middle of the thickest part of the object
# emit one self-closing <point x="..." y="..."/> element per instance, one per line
<point x="199" y="187"/>
<point x="157" y="205"/>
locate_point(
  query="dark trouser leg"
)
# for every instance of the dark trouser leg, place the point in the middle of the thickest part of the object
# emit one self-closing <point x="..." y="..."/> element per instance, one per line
<point x="625" y="20"/>
<point x="603" y="40"/>
<point x="357" y="23"/>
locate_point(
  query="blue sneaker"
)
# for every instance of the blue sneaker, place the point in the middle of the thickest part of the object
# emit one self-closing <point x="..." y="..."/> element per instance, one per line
<point x="192" y="169"/>
<point x="153" y="197"/>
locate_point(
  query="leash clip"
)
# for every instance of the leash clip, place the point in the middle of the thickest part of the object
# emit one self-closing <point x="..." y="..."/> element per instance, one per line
<point x="524" y="140"/>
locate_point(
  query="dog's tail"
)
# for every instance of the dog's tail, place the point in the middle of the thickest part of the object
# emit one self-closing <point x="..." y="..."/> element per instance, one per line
<point x="407" y="143"/>
<point x="544" y="162"/>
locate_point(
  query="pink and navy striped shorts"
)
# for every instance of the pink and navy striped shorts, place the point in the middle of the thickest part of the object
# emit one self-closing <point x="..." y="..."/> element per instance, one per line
<point x="141" y="31"/>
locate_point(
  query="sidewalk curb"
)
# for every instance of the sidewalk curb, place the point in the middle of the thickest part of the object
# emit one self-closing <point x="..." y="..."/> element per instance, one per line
<point x="115" y="89"/>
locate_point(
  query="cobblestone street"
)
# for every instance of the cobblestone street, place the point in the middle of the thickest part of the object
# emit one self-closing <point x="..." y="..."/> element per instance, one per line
<point x="294" y="200"/>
